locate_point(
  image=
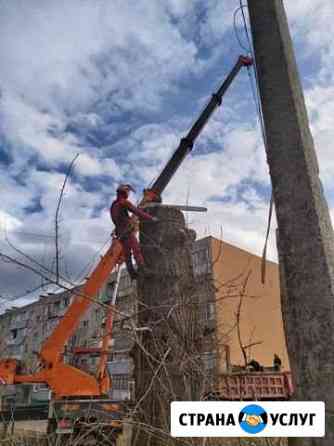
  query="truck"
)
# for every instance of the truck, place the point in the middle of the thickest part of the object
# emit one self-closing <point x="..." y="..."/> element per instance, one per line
<point x="265" y="385"/>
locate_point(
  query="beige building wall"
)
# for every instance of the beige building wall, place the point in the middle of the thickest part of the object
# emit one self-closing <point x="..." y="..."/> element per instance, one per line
<point x="237" y="278"/>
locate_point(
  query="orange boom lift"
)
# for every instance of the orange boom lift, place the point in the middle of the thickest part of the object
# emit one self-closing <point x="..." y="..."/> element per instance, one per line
<point x="66" y="381"/>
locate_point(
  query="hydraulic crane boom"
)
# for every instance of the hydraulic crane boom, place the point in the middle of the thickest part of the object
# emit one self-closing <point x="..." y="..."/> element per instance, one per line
<point x="186" y="143"/>
<point x="63" y="379"/>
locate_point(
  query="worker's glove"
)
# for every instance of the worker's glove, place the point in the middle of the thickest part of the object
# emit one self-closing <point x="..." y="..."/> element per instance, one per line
<point x="155" y="219"/>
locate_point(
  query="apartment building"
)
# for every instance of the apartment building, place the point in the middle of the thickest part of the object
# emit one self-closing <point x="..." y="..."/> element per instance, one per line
<point x="240" y="314"/>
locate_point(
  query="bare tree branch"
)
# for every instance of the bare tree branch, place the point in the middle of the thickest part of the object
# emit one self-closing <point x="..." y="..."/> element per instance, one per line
<point x="238" y="317"/>
<point x="70" y="167"/>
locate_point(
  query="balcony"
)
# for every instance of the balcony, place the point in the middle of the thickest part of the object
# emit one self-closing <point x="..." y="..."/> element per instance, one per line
<point x="17" y="336"/>
<point x="120" y="367"/>
<point x="15" y="351"/>
<point x="18" y="323"/>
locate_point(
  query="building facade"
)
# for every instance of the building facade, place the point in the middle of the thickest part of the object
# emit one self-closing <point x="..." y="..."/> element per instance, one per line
<point x="240" y="319"/>
<point x="248" y="313"/>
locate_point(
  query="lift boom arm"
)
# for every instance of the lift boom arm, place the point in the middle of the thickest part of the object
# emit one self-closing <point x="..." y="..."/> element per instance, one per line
<point x="186" y="143"/>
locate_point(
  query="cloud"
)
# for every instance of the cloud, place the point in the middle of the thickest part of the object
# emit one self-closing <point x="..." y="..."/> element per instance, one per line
<point x="8" y="223"/>
<point x="79" y="51"/>
<point x="216" y="22"/>
<point x="320" y="101"/>
<point x="81" y="65"/>
<point x="309" y="21"/>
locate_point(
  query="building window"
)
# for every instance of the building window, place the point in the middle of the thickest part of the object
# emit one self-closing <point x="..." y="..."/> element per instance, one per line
<point x="209" y="360"/>
<point x="201" y="261"/>
<point x="14" y="333"/>
<point x="207" y="311"/>
<point x="110" y="289"/>
<point x="119" y="356"/>
<point x="38" y="387"/>
<point x="50" y="311"/>
<point x="210" y="311"/>
<point x="120" y="382"/>
<point x="117" y="325"/>
<point x="17" y="318"/>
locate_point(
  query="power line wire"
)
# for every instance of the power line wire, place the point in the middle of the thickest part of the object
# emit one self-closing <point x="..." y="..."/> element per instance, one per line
<point x="245" y="25"/>
<point x="250" y="50"/>
<point x="258" y="106"/>
<point x="236" y="32"/>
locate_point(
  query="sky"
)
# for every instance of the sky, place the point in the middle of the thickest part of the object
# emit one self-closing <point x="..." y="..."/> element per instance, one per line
<point x="119" y="83"/>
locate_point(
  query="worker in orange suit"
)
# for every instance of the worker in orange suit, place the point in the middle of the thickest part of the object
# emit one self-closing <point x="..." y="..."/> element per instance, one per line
<point x="124" y="228"/>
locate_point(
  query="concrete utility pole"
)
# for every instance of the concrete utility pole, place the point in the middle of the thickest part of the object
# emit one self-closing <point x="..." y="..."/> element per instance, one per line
<point x="306" y="241"/>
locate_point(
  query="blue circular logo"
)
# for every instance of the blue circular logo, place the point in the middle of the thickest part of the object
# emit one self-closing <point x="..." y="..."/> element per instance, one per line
<point x="253" y="419"/>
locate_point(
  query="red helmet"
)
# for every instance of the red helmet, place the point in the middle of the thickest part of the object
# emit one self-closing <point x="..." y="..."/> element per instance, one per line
<point x="125" y="189"/>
